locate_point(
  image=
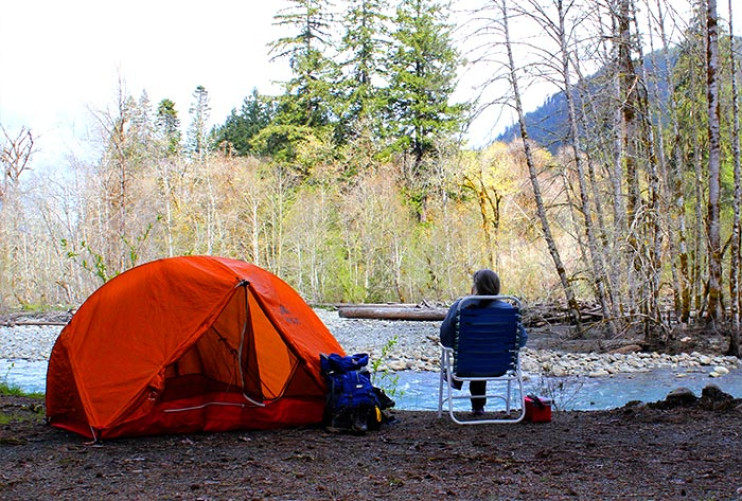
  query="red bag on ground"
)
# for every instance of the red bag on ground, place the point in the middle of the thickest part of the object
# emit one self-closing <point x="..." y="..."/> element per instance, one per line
<point x="538" y="409"/>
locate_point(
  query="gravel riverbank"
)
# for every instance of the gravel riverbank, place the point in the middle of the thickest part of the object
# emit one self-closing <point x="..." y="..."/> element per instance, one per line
<point x="413" y="345"/>
<point x="416" y="348"/>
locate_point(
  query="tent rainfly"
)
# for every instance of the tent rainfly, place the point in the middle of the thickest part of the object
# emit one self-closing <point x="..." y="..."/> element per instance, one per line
<point x="187" y="344"/>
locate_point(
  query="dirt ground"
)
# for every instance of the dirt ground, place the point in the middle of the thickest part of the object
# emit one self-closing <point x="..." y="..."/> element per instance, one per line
<point x="667" y="450"/>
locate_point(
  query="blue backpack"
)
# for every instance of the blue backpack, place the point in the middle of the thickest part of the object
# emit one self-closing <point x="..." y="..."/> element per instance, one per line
<point x="353" y="404"/>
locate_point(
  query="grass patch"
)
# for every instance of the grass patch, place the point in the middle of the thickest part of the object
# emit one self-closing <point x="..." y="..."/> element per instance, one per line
<point x="13" y="410"/>
<point x="22" y="414"/>
<point x="14" y="391"/>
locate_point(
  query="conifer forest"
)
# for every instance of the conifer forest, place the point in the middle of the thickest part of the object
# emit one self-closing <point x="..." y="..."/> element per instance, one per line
<point x="620" y="189"/>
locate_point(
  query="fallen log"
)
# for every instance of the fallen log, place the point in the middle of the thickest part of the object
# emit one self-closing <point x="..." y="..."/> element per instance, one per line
<point x="32" y="323"/>
<point x="392" y="313"/>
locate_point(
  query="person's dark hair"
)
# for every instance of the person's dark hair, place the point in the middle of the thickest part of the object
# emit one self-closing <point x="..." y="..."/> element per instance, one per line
<point x="486" y="283"/>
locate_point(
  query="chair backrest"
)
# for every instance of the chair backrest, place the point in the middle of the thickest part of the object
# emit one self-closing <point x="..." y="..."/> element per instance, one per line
<point x="487" y="336"/>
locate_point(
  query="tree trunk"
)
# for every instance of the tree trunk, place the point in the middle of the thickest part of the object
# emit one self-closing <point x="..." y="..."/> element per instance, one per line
<point x="677" y="225"/>
<point x="697" y="273"/>
<point x="715" y="313"/>
<point x="596" y="257"/>
<point x="392" y="313"/>
<point x="627" y="86"/>
<point x="654" y="160"/>
<point x="541" y="209"/>
<point x="122" y="167"/>
<point x="734" y="271"/>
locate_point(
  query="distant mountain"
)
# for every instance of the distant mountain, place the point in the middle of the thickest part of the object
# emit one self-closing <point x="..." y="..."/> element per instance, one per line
<point x="548" y="125"/>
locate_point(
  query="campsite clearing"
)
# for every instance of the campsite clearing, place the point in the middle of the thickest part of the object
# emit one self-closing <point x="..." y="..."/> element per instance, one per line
<point x="691" y="452"/>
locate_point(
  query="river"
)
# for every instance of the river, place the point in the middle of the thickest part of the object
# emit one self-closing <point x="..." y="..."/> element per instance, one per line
<point x="413" y="390"/>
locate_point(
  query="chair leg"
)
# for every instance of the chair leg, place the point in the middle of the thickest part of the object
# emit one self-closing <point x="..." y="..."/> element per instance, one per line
<point x="440" y="394"/>
<point x="450" y="400"/>
<point x="508" y="396"/>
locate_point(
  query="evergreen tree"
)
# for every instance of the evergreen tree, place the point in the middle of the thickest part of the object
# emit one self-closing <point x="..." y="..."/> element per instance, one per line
<point x="423" y="68"/>
<point x="167" y="127"/>
<point x="241" y="127"/>
<point x="313" y="73"/>
<point x="141" y="118"/>
<point x="197" y="133"/>
<point x="305" y="111"/>
<point x="365" y="45"/>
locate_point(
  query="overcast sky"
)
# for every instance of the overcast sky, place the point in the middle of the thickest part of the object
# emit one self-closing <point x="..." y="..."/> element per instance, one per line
<point x="59" y="59"/>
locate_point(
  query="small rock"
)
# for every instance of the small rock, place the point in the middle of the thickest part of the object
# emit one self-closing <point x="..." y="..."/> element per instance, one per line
<point x="681" y="396"/>
<point x="629" y="348"/>
<point x="397" y="365"/>
<point x="713" y="392"/>
<point x="558" y="371"/>
<point x="721" y="370"/>
<point x="712" y="398"/>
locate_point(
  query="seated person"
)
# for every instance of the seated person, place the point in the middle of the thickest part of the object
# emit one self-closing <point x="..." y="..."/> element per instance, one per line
<point x="485" y="283"/>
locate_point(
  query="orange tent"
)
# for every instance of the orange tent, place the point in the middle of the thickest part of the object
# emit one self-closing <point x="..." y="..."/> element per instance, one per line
<point x="188" y="344"/>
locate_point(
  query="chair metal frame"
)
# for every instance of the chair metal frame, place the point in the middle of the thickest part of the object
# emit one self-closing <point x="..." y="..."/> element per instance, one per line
<point x="510" y="376"/>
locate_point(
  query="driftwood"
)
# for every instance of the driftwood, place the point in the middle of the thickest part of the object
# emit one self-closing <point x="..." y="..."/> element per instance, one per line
<point x="534" y="315"/>
<point x="32" y="323"/>
<point x="381" y="312"/>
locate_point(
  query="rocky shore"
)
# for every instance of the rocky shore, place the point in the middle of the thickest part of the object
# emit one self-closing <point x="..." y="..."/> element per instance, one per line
<point x="413" y="345"/>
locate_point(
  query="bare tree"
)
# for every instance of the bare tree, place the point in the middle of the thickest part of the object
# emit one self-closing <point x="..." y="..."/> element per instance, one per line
<point x="115" y="177"/>
<point x="650" y="113"/>
<point x="677" y="240"/>
<point x="734" y="267"/>
<point x="533" y="174"/>
<point x="715" y="312"/>
<point x="560" y="33"/>
<point x="15" y="155"/>
<point x="699" y="184"/>
<point x="628" y="85"/>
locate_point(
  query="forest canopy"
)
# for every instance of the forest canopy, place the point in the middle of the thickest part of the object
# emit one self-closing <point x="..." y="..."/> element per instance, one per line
<point x="355" y="184"/>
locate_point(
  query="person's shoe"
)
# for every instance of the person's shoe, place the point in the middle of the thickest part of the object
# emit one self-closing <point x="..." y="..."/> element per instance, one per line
<point x="477" y="412"/>
<point x="456" y="385"/>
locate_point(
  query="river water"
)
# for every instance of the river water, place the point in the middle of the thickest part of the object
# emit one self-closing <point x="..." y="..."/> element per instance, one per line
<point x="419" y="390"/>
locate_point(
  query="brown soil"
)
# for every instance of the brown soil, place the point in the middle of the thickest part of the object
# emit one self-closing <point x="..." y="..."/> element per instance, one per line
<point x="668" y="450"/>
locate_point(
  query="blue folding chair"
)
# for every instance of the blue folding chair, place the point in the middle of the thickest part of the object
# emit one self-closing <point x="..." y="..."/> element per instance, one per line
<point x="486" y="348"/>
